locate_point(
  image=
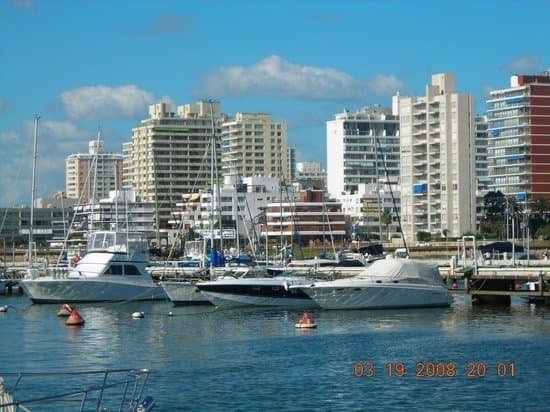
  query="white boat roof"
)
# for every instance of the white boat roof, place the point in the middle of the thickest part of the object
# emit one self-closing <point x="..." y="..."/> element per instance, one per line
<point x="397" y="269"/>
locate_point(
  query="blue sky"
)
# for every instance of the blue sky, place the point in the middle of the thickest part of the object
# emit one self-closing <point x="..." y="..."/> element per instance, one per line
<point x="84" y="65"/>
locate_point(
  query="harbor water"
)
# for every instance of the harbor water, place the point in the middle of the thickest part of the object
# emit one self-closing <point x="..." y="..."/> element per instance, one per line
<point x="460" y="358"/>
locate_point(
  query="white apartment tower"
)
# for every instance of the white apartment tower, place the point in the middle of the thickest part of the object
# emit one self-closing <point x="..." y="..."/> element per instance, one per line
<point x="438" y="177"/>
<point x="170" y="154"/>
<point x="91" y="176"/>
<point x="254" y="145"/>
<point x="361" y="147"/>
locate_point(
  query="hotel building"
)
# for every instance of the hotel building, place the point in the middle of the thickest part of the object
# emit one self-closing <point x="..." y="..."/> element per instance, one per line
<point x="438" y="181"/>
<point x="362" y="161"/>
<point x="94" y="174"/>
<point x="254" y="145"/>
<point x="519" y="137"/>
<point x="170" y="154"/>
<point x="361" y="147"/>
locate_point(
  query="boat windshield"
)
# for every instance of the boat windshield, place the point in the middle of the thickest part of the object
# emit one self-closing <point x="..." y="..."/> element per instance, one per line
<point x="117" y="242"/>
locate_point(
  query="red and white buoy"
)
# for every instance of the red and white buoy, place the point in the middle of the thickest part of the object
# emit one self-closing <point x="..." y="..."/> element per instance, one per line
<point x="306" y="322"/>
<point x="74" y="319"/>
<point x="65" y="310"/>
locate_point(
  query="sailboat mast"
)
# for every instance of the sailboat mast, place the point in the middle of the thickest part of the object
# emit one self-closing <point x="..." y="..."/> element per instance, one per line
<point x="33" y="189"/>
<point x="94" y="183"/>
<point x="212" y="157"/>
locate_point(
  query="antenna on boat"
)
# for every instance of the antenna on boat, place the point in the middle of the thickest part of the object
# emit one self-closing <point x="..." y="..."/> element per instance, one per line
<point x="33" y="189"/>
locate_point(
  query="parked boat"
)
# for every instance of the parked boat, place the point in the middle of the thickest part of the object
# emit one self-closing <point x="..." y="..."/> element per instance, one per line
<point x="113" y="269"/>
<point x="183" y="290"/>
<point x="388" y="283"/>
<point x="255" y="287"/>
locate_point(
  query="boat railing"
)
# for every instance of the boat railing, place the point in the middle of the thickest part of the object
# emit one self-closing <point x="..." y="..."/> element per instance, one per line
<point x="113" y="389"/>
<point x="58" y="272"/>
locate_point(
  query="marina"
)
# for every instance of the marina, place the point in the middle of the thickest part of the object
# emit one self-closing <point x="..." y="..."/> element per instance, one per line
<point x="204" y="358"/>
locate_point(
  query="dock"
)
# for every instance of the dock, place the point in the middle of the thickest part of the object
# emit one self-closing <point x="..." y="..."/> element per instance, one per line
<point x="498" y="284"/>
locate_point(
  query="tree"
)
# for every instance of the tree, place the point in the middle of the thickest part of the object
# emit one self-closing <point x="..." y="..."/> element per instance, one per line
<point x="386" y="219"/>
<point x="541" y="208"/>
<point x="423" y="236"/>
<point x="494" y="204"/>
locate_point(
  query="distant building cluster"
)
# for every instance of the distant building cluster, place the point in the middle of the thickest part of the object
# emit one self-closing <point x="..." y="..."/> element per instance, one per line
<point x="430" y="158"/>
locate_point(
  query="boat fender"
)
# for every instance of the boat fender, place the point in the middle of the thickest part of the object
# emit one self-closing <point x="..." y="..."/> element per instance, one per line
<point x="138" y="315"/>
<point x="286" y="285"/>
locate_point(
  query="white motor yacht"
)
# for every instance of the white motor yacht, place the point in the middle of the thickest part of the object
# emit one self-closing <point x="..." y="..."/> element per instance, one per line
<point x="388" y="283"/>
<point x="254" y="287"/>
<point x="113" y="269"/>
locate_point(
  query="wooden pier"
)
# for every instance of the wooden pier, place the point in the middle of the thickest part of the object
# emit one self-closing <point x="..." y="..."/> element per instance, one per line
<point x="497" y="285"/>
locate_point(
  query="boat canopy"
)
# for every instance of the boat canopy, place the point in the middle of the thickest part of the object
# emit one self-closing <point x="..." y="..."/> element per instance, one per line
<point x="401" y="269"/>
<point x="110" y="241"/>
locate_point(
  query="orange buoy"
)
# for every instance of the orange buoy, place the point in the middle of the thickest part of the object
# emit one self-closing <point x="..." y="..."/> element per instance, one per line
<point x="306" y="322"/>
<point x="455" y="286"/>
<point x="65" y="310"/>
<point x="74" y="318"/>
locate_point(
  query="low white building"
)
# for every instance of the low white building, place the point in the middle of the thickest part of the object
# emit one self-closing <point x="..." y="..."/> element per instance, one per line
<point x="123" y="208"/>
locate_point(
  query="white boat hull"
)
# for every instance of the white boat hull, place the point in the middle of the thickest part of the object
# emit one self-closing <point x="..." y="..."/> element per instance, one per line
<point x="48" y="290"/>
<point x="183" y="293"/>
<point x="378" y="296"/>
<point x="230" y="301"/>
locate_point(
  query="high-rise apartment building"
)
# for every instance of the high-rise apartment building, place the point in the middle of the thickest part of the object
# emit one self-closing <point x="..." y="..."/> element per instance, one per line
<point x="519" y="132"/>
<point x="481" y="164"/>
<point x="291" y="163"/>
<point x="170" y="154"/>
<point x="254" y="145"/>
<point x="438" y="190"/>
<point x="94" y="174"/>
<point x="361" y="148"/>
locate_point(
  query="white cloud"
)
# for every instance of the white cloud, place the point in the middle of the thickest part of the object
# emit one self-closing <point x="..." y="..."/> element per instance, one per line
<point x="529" y="64"/>
<point x="386" y="85"/>
<point x="9" y="137"/>
<point x="106" y="103"/>
<point x="61" y="131"/>
<point x="277" y="77"/>
<point x="56" y="140"/>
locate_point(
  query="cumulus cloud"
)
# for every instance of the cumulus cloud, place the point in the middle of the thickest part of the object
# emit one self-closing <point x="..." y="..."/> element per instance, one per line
<point x="9" y="137"/>
<point x="106" y="103"/>
<point x="56" y="140"/>
<point x="529" y="64"/>
<point x="171" y="24"/>
<point x="279" y="78"/>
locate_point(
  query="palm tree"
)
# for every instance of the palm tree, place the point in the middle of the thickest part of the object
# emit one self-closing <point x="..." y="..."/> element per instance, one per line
<point x="386" y="219"/>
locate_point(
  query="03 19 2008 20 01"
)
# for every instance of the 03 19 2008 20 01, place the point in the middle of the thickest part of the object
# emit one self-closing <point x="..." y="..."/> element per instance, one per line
<point x="437" y="369"/>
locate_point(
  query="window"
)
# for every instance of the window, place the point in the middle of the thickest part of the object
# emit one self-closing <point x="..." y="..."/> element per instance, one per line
<point x="131" y="270"/>
<point x="114" y="270"/>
